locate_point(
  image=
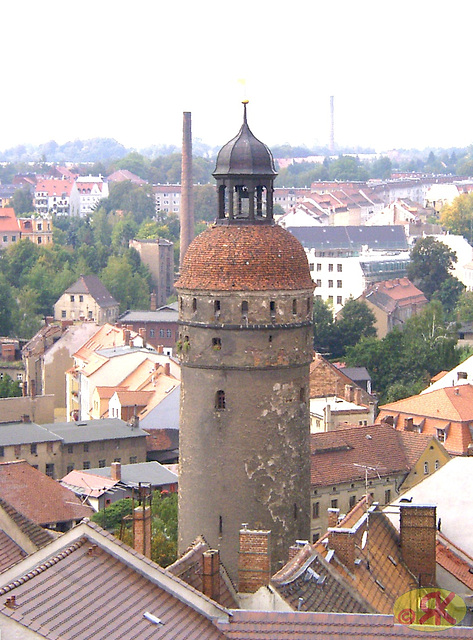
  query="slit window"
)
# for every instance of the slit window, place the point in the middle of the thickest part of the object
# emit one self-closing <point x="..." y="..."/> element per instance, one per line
<point x="272" y="309"/>
<point x="294" y="307"/>
<point x="220" y="400"/>
<point x="244" y="309"/>
<point x="194" y="305"/>
<point x="217" y="308"/>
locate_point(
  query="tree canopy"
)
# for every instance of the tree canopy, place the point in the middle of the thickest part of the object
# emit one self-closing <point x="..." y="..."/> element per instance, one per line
<point x="430" y="265"/>
<point x="457" y="217"/>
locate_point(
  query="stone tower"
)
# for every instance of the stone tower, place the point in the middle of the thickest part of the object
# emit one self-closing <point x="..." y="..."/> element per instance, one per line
<point x="245" y="310"/>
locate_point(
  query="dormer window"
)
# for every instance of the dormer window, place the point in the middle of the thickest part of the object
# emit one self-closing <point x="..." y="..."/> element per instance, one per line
<point x="441" y="435"/>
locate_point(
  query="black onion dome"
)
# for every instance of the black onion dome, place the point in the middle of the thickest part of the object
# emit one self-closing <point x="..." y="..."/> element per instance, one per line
<point x="244" y="155"/>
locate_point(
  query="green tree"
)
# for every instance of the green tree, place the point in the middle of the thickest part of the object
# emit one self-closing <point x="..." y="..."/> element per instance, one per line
<point x="325" y="330"/>
<point x="347" y="168"/>
<point x="205" y="202"/>
<point x="22" y="201"/>
<point x="7" y="304"/>
<point x="8" y="388"/>
<point x="381" y="168"/>
<point x="111" y="517"/>
<point x="354" y="322"/>
<point x="129" y="288"/>
<point x="430" y="265"/>
<point x="449" y="293"/>
<point x="464" y="307"/>
<point x="26" y="317"/>
<point x="457" y="217"/>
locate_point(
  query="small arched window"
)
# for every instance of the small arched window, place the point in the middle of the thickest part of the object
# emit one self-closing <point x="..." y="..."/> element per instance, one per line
<point x="220" y="400"/>
<point x="294" y="307"/>
<point x="244" y="309"/>
<point x="194" y="305"/>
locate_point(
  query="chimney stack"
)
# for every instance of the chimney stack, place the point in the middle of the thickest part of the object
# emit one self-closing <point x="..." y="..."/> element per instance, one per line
<point x="348" y="393"/>
<point x="153" y="301"/>
<point x="333" y="514"/>
<point x="187" y="199"/>
<point x="211" y="574"/>
<point x="142" y="530"/>
<point x="167" y="368"/>
<point x="116" y="471"/>
<point x="126" y="337"/>
<point x="342" y="541"/>
<point x="254" y="561"/>
<point x="418" y="527"/>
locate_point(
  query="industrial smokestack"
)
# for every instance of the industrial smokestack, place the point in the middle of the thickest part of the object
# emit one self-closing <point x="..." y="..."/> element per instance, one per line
<point x="332" y="127"/>
<point x="187" y="197"/>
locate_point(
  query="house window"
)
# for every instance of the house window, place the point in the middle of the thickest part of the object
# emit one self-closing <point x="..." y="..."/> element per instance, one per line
<point x="117" y="460"/>
<point x="33" y="449"/>
<point x="86" y="464"/>
<point x="151" y="333"/>
<point x="86" y="447"/>
<point x="426" y="468"/>
<point x="220" y="400"/>
<point x="63" y="313"/>
<point x="339" y="300"/>
<point x="133" y="459"/>
<point x="72" y="298"/>
<point x="70" y="467"/>
<point x="168" y="333"/>
<point x="50" y="470"/>
<point x="70" y="448"/>
<point x="102" y="464"/>
<point x="330" y="267"/>
<point x="339" y="268"/>
<point x="319" y="266"/>
<point x="387" y="496"/>
<point x="339" y="284"/>
<point x="311" y="267"/>
<point x="318" y="282"/>
<point x="330" y="284"/>
<point x="351" y="502"/>
<point x="5" y="238"/>
<point x="334" y="504"/>
<point x="81" y="298"/>
<point x="437" y="465"/>
<point x="18" y="450"/>
<point x="315" y="509"/>
<point x="13" y="238"/>
<point x="315" y="537"/>
<point x="161" y="333"/>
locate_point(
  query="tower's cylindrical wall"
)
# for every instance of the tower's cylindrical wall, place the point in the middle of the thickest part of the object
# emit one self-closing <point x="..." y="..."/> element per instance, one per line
<point x="244" y="430"/>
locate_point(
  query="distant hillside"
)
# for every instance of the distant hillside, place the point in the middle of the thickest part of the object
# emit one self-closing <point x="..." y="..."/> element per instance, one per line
<point x="93" y="150"/>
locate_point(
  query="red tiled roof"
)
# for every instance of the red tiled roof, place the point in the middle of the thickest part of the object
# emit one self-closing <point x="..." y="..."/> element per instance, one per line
<point x="89" y="589"/>
<point x="55" y="187"/>
<point x="10" y="551"/>
<point x="338" y="456"/>
<point x="37" y="496"/>
<point x="449" y="408"/>
<point x="455" y="561"/>
<point x="189" y="568"/>
<point x="282" y="625"/>
<point x="38" y="536"/>
<point x="245" y="258"/>
<point x="8" y="221"/>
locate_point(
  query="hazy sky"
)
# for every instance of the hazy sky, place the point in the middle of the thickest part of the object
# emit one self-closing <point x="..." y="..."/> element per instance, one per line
<point x="400" y="72"/>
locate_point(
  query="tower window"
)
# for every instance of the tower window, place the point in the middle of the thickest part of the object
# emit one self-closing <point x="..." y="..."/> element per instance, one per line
<point x="294" y="307"/>
<point x="220" y="400"/>
<point x="217" y="308"/>
<point x="302" y="394"/>
<point x="270" y="339"/>
<point x="216" y="344"/>
<point x="272" y="309"/>
<point x="220" y="526"/>
<point x="244" y="309"/>
<point x="194" y="304"/>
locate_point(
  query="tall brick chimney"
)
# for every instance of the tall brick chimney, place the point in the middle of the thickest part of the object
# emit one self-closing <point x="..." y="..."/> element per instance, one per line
<point x="187" y="196"/>
<point x="142" y="530"/>
<point x="116" y="471"/>
<point x="211" y="574"/>
<point x="342" y="541"/>
<point x="153" y="301"/>
<point x="418" y="526"/>
<point x="254" y="561"/>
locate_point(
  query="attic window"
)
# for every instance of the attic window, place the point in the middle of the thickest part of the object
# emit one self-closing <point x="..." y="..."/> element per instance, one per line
<point x="441" y="436"/>
<point x="462" y="375"/>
